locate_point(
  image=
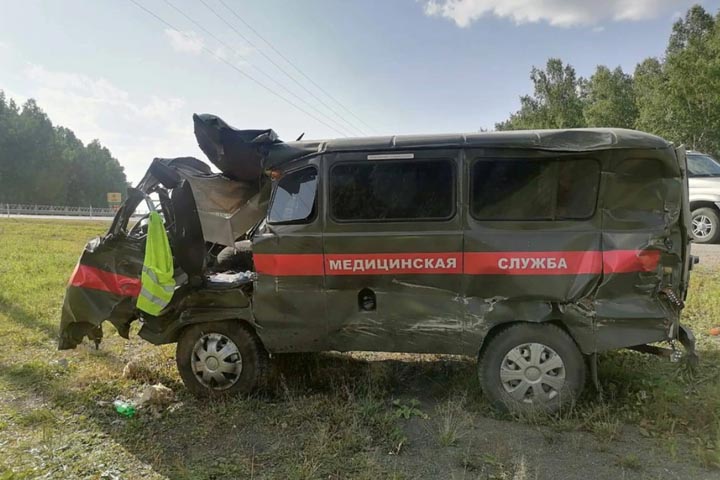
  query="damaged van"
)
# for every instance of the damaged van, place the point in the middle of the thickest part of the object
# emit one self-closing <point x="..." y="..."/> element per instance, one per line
<point x="533" y="251"/>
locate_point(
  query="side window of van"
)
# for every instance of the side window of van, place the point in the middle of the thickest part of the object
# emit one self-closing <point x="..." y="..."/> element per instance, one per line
<point x="534" y="189"/>
<point x="295" y="197"/>
<point x="392" y="191"/>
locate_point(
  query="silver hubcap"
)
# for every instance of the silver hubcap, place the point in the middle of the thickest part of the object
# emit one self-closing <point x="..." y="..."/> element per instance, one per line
<point x="216" y="361"/>
<point x="701" y="226"/>
<point x="532" y="373"/>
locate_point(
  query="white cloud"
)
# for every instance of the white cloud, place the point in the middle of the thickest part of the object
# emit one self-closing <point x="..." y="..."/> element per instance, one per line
<point x="559" y="13"/>
<point x="134" y="129"/>
<point x="185" y="42"/>
<point x="192" y="43"/>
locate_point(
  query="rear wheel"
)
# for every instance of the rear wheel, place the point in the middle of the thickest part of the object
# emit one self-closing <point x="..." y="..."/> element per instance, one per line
<point x="705" y="225"/>
<point x="532" y="368"/>
<point x="220" y="358"/>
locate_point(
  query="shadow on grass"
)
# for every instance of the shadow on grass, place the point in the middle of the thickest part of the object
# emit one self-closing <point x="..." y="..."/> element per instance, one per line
<point x="327" y="413"/>
<point x="21" y="316"/>
<point x="319" y="413"/>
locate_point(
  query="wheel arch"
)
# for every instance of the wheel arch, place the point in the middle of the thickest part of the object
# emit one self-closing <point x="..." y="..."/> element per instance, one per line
<point x="190" y="317"/>
<point x="499" y="327"/>
<point x="695" y="204"/>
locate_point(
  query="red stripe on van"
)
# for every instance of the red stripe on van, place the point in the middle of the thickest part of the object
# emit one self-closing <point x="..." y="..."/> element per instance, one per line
<point x="291" y="264"/>
<point x="627" y="261"/>
<point x="471" y="263"/>
<point x="96" y="279"/>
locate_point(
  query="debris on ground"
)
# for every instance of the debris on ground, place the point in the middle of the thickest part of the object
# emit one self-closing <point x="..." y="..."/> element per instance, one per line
<point x="124" y="408"/>
<point x="715" y="331"/>
<point x="156" y="397"/>
<point x="136" y="370"/>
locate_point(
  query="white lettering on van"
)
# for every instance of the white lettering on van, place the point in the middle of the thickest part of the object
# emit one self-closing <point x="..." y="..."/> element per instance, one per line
<point x="366" y="264"/>
<point x="532" y="263"/>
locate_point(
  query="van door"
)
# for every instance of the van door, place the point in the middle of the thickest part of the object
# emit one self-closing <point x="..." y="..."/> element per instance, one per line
<point x="644" y="244"/>
<point x="393" y="251"/>
<point x="288" y="300"/>
<point x="532" y="240"/>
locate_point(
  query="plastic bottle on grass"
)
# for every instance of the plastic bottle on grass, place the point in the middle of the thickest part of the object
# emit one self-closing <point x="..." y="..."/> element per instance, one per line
<point x="125" y="409"/>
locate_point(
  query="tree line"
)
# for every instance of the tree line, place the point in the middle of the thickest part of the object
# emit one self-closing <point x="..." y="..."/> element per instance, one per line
<point x="45" y="164"/>
<point x="676" y="97"/>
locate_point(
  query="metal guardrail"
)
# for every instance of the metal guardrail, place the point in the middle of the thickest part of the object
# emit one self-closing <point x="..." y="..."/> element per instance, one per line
<point x="89" y="211"/>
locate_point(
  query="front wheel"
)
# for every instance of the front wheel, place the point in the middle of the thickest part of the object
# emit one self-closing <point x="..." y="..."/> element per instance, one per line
<point x="532" y="368"/>
<point x="220" y="358"/>
<point x="705" y="225"/>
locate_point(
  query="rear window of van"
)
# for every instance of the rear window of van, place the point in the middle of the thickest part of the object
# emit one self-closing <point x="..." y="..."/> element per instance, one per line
<point x="534" y="189"/>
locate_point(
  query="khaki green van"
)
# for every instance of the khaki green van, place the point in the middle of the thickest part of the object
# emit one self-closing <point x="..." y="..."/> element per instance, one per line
<point x="532" y="251"/>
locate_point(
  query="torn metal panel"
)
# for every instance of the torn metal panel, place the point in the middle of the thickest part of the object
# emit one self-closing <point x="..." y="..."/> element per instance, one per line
<point x="104" y="286"/>
<point x="227" y="208"/>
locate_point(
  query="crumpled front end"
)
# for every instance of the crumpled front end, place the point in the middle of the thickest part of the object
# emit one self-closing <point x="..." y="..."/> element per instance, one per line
<point x="200" y="209"/>
<point x="104" y="286"/>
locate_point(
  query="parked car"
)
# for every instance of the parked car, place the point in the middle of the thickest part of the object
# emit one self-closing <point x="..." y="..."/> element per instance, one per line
<point x="704" y="179"/>
<point x="532" y="251"/>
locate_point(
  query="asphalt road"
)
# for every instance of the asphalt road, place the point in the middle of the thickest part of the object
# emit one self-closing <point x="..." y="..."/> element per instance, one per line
<point x="58" y="217"/>
<point x="709" y="255"/>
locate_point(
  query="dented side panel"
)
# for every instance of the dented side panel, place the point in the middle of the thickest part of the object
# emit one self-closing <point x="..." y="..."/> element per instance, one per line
<point x="642" y="201"/>
<point x="530" y="271"/>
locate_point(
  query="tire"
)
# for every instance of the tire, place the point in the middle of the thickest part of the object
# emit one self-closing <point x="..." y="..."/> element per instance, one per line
<point x="221" y="344"/>
<point x="542" y="391"/>
<point x="705" y="225"/>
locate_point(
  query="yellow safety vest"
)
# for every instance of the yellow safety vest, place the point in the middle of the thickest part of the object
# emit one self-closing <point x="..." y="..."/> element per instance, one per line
<point x="158" y="284"/>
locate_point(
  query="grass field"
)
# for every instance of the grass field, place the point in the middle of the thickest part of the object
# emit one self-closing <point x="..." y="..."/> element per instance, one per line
<point x="324" y="415"/>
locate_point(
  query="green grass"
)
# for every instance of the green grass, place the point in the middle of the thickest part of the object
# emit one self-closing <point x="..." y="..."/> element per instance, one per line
<point x="323" y="415"/>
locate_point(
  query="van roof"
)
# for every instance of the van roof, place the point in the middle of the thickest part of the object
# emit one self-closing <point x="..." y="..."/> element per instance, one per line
<point x="578" y="139"/>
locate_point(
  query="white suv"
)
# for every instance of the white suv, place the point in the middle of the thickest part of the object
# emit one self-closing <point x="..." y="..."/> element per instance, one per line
<point x="704" y="180"/>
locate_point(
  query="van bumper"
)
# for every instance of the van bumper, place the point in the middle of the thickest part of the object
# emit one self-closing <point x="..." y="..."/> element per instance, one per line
<point x="687" y="340"/>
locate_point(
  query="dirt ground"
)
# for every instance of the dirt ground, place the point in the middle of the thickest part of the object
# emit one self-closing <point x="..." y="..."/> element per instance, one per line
<point x="494" y="447"/>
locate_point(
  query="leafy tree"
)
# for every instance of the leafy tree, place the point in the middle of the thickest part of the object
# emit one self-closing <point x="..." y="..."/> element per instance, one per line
<point x="44" y="164"/>
<point x="675" y="97"/>
<point x="692" y="81"/>
<point x="609" y="99"/>
<point x="650" y="88"/>
<point x="695" y="27"/>
<point x="555" y="103"/>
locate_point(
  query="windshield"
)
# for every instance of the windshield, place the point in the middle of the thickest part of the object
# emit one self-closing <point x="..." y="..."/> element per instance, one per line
<point x="703" y="166"/>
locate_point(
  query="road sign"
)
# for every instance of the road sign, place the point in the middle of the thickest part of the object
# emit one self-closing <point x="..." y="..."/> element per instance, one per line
<point x="114" y="197"/>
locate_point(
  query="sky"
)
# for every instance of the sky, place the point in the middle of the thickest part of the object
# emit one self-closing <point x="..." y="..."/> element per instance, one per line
<point x="132" y="72"/>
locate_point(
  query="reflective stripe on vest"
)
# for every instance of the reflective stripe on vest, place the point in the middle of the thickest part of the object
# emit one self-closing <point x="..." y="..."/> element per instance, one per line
<point x="158" y="284"/>
<point x="153" y="277"/>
